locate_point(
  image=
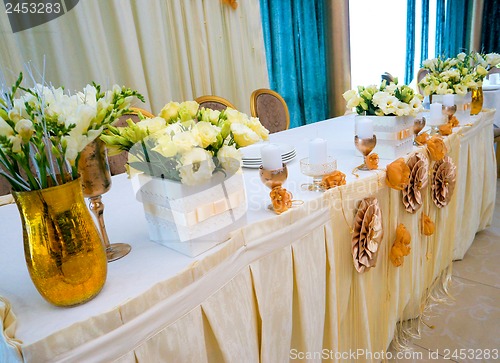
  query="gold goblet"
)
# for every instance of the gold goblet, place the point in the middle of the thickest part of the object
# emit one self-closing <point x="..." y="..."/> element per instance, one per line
<point x="449" y="111"/>
<point x="418" y="126"/>
<point x="273" y="178"/>
<point x="365" y="146"/>
<point x="96" y="180"/>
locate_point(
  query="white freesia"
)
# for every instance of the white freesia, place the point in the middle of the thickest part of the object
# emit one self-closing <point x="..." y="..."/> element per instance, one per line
<point x="25" y="129"/>
<point x="230" y="158"/>
<point x="196" y="167"/>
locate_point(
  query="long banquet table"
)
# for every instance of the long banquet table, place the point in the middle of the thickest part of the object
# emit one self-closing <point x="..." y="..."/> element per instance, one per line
<point x="280" y="287"/>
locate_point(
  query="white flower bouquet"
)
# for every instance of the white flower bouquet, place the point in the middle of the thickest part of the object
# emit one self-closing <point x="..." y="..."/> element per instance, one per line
<point x="44" y="129"/>
<point x="457" y="75"/>
<point x="384" y="100"/>
<point x="185" y="143"/>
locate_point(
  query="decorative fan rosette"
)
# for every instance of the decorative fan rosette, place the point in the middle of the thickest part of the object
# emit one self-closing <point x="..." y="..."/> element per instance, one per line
<point x="367" y="234"/>
<point x="443" y="181"/>
<point x="412" y="195"/>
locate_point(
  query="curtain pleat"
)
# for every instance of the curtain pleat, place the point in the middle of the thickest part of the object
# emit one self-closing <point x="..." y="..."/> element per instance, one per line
<point x="440" y="27"/>
<point x="168" y="50"/>
<point x="295" y="51"/>
<point x="490" y="31"/>
<point x="424" y="47"/>
<point x="410" y="41"/>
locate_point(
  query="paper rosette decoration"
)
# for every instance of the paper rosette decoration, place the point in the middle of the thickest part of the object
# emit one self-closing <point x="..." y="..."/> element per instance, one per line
<point x="367" y="234"/>
<point x="443" y="181"/>
<point x="412" y="195"/>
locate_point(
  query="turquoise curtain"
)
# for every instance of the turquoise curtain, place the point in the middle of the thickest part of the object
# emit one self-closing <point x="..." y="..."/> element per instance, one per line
<point x="440" y="27"/>
<point x="424" y="34"/>
<point x="294" y="38"/>
<point x="410" y="41"/>
<point x="490" y="27"/>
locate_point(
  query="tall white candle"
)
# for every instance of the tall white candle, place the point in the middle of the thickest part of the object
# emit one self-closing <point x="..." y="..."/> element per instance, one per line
<point x="271" y="157"/>
<point x="364" y="128"/>
<point x="317" y="151"/>
<point x="448" y="100"/>
<point x="436" y="117"/>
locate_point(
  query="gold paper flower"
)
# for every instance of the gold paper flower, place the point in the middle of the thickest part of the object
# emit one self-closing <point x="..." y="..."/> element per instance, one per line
<point x="446" y="129"/>
<point x="437" y="148"/>
<point x="422" y="138"/>
<point x="367" y="236"/>
<point x="335" y="179"/>
<point x="398" y="174"/>
<point x="427" y="225"/>
<point x="443" y="182"/>
<point x="412" y="195"/>
<point x="371" y="161"/>
<point x="401" y="245"/>
<point x="231" y="3"/>
<point x="281" y="199"/>
<point x="453" y="121"/>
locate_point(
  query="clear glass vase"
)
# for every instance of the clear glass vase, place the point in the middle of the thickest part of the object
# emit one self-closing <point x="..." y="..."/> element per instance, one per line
<point x="64" y="253"/>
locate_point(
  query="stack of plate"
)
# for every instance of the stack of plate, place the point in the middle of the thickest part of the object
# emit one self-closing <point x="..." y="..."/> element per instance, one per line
<point x="252" y="159"/>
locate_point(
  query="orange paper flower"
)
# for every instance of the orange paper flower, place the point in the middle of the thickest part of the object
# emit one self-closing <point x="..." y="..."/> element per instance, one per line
<point x="398" y="174"/>
<point x="231" y="3"/>
<point x="401" y="245"/>
<point x="437" y="148"/>
<point x="453" y="121"/>
<point x="333" y="180"/>
<point x="371" y="161"/>
<point x="427" y="225"/>
<point x="422" y="138"/>
<point x="446" y="129"/>
<point x="281" y="199"/>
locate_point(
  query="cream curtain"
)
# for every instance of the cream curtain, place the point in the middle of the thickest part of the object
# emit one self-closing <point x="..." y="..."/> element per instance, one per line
<point x="168" y="50"/>
<point x="339" y="54"/>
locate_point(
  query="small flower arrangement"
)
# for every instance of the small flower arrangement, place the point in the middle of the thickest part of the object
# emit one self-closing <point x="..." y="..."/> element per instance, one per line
<point x="186" y="143"/>
<point x="457" y="75"/>
<point x="44" y="129"/>
<point x="384" y="100"/>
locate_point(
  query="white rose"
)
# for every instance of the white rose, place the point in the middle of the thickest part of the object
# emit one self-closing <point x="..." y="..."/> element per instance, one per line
<point x="460" y="89"/>
<point x="152" y="125"/>
<point x="190" y="107"/>
<point x="259" y="129"/>
<point x="243" y="135"/>
<point x="493" y="59"/>
<point x="196" y="167"/>
<point x="234" y="116"/>
<point x="230" y="158"/>
<point x="170" y="111"/>
<point x="348" y="95"/>
<point x="185" y="141"/>
<point x="207" y="133"/>
<point x="166" y="147"/>
<point x="442" y="88"/>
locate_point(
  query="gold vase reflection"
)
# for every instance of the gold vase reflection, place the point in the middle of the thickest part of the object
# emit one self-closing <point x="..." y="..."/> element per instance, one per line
<point x="63" y="251"/>
<point x="477" y="101"/>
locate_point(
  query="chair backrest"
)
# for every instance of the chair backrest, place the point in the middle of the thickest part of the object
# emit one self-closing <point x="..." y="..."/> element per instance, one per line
<point x="214" y="102"/>
<point x="271" y="109"/>
<point x="4" y="186"/>
<point x="422" y="72"/>
<point x="117" y="162"/>
<point x="387" y="77"/>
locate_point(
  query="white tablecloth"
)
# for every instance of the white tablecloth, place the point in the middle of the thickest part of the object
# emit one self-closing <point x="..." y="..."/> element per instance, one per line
<point x="491" y="100"/>
<point x="283" y="282"/>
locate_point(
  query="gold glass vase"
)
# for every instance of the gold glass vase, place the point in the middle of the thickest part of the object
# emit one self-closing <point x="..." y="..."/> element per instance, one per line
<point x="64" y="253"/>
<point x="477" y="101"/>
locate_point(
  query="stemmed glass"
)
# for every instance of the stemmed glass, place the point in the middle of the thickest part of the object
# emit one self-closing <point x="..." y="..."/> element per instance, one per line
<point x="317" y="172"/>
<point x="96" y="180"/>
<point x="365" y="146"/>
<point x="273" y="178"/>
<point x="418" y="125"/>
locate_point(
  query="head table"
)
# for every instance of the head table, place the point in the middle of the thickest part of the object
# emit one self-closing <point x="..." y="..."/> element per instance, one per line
<point x="281" y="287"/>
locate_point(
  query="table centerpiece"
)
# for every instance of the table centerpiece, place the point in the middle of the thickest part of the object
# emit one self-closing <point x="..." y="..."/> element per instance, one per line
<point x="392" y="108"/>
<point x="186" y="170"/>
<point x="43" y="130"/>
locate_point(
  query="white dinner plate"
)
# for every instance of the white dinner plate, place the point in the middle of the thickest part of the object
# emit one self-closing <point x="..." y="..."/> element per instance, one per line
<point x="252" y="152"/>
<point x="256" y="165"/>
<point x="491" y="87"/>
<point x="258" y="161"/>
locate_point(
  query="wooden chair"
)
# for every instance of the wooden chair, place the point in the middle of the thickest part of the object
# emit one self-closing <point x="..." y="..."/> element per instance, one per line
<point x="422" y="72"/>
<point x="271" y="109"/>
<point x="214" y="102"/>
<point x="5" y="196"/>
<point x="117" y="162"/>
<point x="387" y="77"/>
